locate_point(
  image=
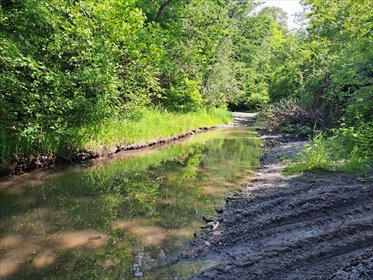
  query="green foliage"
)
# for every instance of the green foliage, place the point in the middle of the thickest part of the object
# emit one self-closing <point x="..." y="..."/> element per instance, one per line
<point x="185" y="97"/>
<point x="259" y="36"/>
<point x="329" y="68"/>
<point x="316" y="158"/>
<point x="69" y="66"/>
<point x="150" y="125"/>
<point x="348" y="150"/>
<point x="357" y="140"/>
<point x="66" y="65"/>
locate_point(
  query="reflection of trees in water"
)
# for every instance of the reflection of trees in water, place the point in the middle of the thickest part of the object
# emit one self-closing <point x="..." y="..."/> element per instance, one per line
<point x="139" y="204"/>
<point x="227" y="158"/>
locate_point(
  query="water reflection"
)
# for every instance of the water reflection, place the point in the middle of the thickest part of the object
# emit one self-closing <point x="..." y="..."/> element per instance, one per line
<point x="122" y="218"/>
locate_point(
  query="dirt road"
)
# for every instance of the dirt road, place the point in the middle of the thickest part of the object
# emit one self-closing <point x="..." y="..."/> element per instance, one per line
<point x="310" y="226"/>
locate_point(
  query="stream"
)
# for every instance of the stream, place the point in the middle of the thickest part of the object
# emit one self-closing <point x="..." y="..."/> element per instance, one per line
<point x="122" y="217"/>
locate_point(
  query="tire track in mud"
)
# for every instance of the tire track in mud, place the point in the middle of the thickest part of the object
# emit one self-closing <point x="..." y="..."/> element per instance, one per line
<point x="298" y="227"/>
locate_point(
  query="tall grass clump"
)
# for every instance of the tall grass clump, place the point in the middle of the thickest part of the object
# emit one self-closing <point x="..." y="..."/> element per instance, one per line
<point x="347" y="149"/>
<point x="151" y="124"/>
<point x="316" y="157"/>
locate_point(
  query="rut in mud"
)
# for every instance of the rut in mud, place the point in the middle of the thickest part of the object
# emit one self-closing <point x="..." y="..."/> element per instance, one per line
<point x="311" y="226"/>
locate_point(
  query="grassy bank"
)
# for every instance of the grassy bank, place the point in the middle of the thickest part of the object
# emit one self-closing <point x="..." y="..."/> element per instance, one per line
<point x="345" y="150"/>
<point x="148" y="124"/>
<point x="151" y="125"/>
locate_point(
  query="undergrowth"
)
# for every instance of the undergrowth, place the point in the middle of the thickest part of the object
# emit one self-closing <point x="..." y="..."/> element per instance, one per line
<point x="347" y="149"/>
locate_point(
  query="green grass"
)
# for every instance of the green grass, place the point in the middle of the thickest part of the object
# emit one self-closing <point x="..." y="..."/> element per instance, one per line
<point x="153" y="124"/>
<point x="148" y="124"/>
<point x="349" y="150"/>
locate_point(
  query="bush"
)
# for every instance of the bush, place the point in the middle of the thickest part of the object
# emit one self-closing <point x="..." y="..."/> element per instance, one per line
<point x="257" y="100"/>
<point x="185" y="96"/>
<point x="316" y="157"/>
<point x="360" y="107"/>
<point x="356" y="140"/>
<point x="349" y="149"/>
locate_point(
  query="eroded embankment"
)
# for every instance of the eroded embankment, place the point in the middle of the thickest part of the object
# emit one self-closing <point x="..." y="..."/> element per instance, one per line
<point x="33" y="163"/>
<point x="29" y="164"/>
<point x="310" y="226"/>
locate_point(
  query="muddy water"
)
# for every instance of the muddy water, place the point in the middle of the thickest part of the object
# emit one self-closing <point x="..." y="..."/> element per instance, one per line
<point x="120" y="218"/>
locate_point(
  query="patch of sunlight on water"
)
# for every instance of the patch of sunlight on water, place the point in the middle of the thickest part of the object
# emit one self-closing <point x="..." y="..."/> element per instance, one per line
<point x="110" y="218"/>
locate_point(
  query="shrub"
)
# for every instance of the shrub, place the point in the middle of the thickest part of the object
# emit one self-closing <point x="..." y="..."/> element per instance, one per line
<point x="316" y="157"/>
<point x="257" y="100"/>
<point x="360" y="107"/>
<point x="185" y="96"/>
<point x="350" y="149"/>
<point x="356" y="140"/>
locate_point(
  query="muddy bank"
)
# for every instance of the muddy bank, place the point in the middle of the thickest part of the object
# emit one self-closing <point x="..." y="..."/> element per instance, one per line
<point x="309" y="226"/>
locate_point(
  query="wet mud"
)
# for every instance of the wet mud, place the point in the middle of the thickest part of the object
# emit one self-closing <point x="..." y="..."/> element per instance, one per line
<point x="308" y="226"/>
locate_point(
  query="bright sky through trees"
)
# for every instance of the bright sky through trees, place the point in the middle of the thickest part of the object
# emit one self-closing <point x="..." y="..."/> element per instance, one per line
<point x="289" y="6"/>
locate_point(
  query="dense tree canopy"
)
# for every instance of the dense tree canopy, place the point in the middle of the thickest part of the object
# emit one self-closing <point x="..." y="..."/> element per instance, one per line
<point x="330" y="66"/>
<point x="66" y="64"/>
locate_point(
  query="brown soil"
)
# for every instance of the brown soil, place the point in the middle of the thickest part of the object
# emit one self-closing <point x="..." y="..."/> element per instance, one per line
<point x="309" y="226"/>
